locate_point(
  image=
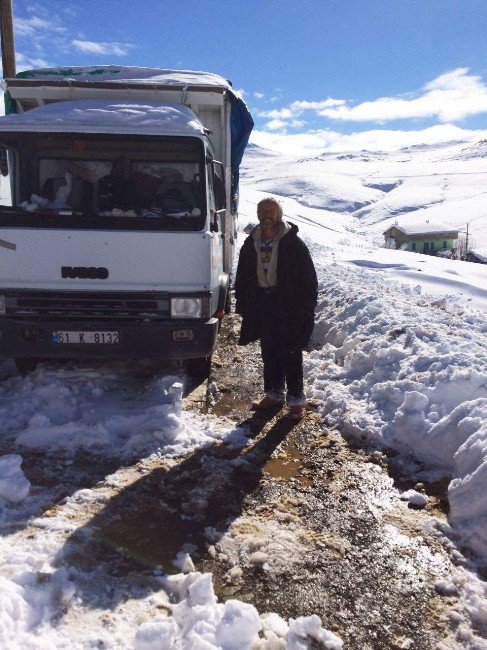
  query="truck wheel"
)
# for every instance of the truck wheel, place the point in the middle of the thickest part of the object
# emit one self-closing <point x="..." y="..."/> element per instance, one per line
<point x="24" y="366"/>
<point x="199" y="368"/>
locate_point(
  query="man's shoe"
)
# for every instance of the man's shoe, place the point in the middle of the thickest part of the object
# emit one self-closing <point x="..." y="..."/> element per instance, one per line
<point x="267" y="404"/>
<point x="296" y="412"/>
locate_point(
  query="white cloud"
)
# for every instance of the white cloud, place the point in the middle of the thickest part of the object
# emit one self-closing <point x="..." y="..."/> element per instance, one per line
<point x="240" y="92"/>
<point x="259" y="95"/>
<point x="294" y="110"/>
<point x="24" y="62"/>
<point x="277" y="114"/>
<point x="275" y="125"/>
<point x="300" y="106"/>
<point x="315" y="142"/>
<point x="92" y="47"/>
<point x="450" y="97"/>
<point x="31" y="26"/>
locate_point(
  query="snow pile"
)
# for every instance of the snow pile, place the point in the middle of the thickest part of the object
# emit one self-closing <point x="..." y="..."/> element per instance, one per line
<point x="199" y="621"/>
<point x="34" y="595"/>
<point x="468" y="510"/>
<point x="105" y="116"/>
<point x="108" y="409"/>
<point x="414" y="498"/>
<point x="411" y="373"/>
<point x="469" y="615"/>
<point x="14" y="487"/>
<point x="118" y="73"/>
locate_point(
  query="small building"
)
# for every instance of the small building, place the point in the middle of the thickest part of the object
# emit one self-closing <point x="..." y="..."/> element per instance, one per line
<point x="429" y="238"/>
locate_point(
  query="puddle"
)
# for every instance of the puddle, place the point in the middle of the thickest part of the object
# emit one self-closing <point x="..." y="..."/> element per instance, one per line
<point x="231" y="405"/>
<point x="288" y="465"/>
<point x="145" y="538"/>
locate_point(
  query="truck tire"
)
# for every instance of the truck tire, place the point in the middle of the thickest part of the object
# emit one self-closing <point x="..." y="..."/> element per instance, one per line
<point x="199" y="368"/>
<point x="25" y="366"/>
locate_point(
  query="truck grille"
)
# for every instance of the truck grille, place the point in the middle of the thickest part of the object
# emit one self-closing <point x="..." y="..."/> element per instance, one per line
<point x="80" y="305"/>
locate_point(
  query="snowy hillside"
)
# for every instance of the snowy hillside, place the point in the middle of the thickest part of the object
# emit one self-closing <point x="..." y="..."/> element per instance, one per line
<point x="366" y="192"/>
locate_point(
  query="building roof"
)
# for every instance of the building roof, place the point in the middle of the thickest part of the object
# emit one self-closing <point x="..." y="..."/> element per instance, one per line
<point x="426" y="228"/>
<point x="105" y="116"/>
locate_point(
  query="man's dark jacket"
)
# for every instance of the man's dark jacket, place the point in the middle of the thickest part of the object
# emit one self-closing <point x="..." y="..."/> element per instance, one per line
<point x="296" y="291"/>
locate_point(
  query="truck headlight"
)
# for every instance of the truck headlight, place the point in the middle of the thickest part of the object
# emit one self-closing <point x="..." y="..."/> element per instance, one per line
<point x="190" y="307"/>
<point x="2" y="304"/>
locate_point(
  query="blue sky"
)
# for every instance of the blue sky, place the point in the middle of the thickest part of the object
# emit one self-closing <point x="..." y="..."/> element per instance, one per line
<point x="316" y="74"/>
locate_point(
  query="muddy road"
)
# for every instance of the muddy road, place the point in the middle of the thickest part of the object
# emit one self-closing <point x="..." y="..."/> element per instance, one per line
<point x="312" y="523"/>
<point x="299" y="521"/>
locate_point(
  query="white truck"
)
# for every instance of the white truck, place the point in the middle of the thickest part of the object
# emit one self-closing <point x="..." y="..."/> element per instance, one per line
<point x="119" y="239"/>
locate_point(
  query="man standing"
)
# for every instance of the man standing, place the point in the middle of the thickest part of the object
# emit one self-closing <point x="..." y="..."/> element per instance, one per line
<point x="276" y="294"/>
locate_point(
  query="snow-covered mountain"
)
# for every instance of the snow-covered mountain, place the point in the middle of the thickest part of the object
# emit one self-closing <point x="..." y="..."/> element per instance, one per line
<point x="368" y="191"/>
<point x="477" y="150"/>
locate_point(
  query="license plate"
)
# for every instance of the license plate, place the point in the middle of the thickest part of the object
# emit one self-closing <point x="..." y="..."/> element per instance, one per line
<point x="86" y="338"/>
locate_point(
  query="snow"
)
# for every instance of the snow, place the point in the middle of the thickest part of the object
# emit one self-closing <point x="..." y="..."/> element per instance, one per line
<point x="106" y="116"/>
<point x="414" y="498"/>
<point x="14" y="487"/>
<point x="132" y="74"/>
<point x="426" y="228"/>
<point x="408" y="372"/>
<point x="366" y="192"/>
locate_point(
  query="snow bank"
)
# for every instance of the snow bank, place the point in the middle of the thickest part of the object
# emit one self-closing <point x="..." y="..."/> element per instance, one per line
<point x="110" y="409"/>
<point x="408" y="372"/>
<point x="468" y="508"/>
<point x="199" y="621"/>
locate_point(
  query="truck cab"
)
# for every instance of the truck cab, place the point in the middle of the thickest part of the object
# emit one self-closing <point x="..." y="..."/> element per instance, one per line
<point x="119" y="239"/>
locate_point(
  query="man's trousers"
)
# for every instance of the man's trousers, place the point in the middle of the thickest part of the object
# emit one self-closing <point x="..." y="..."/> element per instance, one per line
<point x="283" y="365"/>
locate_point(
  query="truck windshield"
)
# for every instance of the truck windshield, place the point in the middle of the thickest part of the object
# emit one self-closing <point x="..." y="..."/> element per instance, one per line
<point x="107" y="182"/>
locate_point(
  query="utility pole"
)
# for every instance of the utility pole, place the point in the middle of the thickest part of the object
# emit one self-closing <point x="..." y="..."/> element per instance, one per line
<point x="7" y="36"/>
<point x="466" y="242"/>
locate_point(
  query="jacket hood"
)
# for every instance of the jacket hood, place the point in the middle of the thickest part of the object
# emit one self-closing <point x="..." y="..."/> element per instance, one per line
<point x="285" y="229"/>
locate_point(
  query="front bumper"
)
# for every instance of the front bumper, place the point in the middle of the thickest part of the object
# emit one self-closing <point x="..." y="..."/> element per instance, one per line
<point x="21" y="339"/>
